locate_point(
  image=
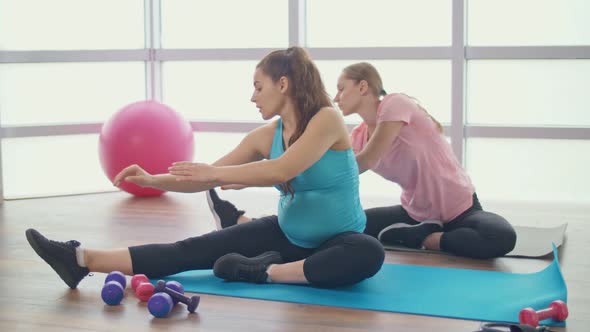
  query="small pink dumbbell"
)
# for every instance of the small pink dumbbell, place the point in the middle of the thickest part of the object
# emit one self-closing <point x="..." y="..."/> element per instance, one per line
<point x="557" y="311"/>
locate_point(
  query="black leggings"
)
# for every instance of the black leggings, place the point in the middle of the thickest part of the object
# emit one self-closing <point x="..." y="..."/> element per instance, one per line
<point x="345" y="259"/>
<point x="474" y="233"/>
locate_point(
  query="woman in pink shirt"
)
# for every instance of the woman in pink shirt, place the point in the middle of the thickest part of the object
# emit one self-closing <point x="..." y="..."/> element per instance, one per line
<point x="401" y="142"/>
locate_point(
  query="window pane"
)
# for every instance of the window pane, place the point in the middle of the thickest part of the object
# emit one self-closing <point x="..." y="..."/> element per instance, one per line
<point x="71" y="24"/>
<point x="529" y="169"/>
<point x="70" y="165"/>
<point x="212" y="90"/>
<point x="211" y="146"/>
<point x="43" y="93"/>
<point x="528" y="22"/>
<point x="371" y="184"/>
<point x="225" y="24"/>
<point x="337" y="23"/>
<point x="528" y="92"/>
<point x="429" y="81"/>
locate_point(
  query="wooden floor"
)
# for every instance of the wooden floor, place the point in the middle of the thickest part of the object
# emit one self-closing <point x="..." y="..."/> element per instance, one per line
<point x="32" y="297"/>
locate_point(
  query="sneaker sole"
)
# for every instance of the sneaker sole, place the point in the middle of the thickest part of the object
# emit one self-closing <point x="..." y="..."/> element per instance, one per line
<point x="404" y="225"/>
<point x="59" y="268"/>
<point x="212" y="208"/>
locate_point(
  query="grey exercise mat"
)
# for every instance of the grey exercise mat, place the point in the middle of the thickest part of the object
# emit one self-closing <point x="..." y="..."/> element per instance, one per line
<point x="530" y="242"/>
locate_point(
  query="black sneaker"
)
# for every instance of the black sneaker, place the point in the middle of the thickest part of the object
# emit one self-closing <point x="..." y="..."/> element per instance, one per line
<point x="224" y="212"/>
<point x="235" y="267"/>
<point x="409" y="235"/>
<point x="61" y="256"/>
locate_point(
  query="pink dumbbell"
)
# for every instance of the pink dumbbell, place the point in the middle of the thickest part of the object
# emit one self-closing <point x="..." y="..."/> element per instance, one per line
<point x="144" y="290"/>
<point x="557" y="311"/>
<point x="142" y="287"/>
<point x="137" y="280"/>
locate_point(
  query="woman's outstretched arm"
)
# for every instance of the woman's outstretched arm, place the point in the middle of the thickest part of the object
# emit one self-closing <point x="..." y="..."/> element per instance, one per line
<point x="250" y="149"/>
<point x="324" y="130"/>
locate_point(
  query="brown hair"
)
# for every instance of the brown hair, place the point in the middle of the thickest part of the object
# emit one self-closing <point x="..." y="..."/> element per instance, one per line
<point x="305" y="87"/>
<point x="364" y="71"/>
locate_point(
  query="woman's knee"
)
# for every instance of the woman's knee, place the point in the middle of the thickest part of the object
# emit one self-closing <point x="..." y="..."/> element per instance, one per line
<point x="499" y="233"/>
<point x="366" y="257"/>
<point x="486" y="235"/>
<point x="506" y="236"/>
<point x="372" y="256"/>
<point x="353" y="260"/>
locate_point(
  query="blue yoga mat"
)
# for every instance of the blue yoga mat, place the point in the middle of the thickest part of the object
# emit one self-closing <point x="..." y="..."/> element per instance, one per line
<point x="423" y="290"/>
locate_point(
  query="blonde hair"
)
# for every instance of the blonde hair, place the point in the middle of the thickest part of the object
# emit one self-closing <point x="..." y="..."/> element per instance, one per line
<point x="364" y="71"/>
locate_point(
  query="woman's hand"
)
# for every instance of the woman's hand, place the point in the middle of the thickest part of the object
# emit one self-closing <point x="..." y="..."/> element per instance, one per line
<point x="189" y="171"/>
<point x="134" y="174"/>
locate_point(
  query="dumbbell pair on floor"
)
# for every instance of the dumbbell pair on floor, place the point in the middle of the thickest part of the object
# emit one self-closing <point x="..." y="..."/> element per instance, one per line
<point x="164" y="298"/>
<point x="161" y="298"/>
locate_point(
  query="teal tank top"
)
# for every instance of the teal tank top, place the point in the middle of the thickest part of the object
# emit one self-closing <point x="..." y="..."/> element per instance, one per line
<point x="326" y="199"/>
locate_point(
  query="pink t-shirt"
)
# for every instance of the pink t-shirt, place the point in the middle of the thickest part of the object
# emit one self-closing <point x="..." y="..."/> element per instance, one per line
<point x="421" y="161"/>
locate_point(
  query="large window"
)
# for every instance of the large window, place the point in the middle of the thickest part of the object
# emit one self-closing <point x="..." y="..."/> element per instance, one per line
<point x="508" y="79"/>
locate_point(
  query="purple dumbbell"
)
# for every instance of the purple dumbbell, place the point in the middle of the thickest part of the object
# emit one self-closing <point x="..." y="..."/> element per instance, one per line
<point x="175" y="285"/>
<point x="160" y="305"/>
<point x="191" y="303"/>
<point x="117" y="276"/>
<point x="114" y="288"/>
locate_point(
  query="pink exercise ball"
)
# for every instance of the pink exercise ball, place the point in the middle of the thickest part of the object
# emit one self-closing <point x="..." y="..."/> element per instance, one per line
<point x="149" y="134"/>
